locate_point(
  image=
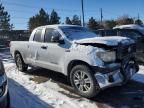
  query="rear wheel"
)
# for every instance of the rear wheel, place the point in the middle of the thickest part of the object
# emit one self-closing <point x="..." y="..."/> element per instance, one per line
<point x="83" y="81"/>
<point x="20" y="63"/>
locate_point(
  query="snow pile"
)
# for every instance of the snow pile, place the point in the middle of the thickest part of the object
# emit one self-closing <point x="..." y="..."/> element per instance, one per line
<point x="48" y="92"/>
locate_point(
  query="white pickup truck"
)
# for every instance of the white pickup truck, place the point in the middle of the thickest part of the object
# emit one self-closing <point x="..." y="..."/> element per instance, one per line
<point x="91" y="63"/>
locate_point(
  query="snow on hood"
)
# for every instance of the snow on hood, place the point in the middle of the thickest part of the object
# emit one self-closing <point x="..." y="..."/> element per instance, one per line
<point x="131" y="26"/>
<point x="111" y="41"/>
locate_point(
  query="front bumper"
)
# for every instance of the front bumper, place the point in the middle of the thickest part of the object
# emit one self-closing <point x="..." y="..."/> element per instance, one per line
<point x="116" y="73"/>
<point x="4" y="92"/>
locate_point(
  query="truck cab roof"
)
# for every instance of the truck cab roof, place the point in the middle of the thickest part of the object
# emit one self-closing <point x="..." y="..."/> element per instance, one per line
<point x="57" y="26"/>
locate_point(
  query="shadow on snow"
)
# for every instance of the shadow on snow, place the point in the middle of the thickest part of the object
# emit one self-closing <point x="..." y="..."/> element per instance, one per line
<point x="22" y="98"/>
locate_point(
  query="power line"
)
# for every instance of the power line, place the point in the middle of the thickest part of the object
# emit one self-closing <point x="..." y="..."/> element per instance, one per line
<point x="57" y="9"/>
<point x="35" y="7"/>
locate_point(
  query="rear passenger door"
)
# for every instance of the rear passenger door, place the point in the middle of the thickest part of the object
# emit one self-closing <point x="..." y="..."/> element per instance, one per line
<point x="35" y="46"/>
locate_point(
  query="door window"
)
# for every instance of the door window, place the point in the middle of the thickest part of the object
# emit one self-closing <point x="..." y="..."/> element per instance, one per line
<point x="37" y="36"/>
<point x="49" y="33"/>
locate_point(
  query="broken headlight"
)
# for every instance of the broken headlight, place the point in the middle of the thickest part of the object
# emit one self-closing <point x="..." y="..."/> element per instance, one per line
<point x="1" y="68"/>
<point x="108" y="56"/>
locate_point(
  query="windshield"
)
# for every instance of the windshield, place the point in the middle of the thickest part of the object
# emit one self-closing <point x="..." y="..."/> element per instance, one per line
<point x="76" y="33"/>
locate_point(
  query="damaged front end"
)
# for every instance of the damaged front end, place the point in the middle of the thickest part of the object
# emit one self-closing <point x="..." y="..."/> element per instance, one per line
<point x="119" y="64"/>
<point x="116" y="73"/>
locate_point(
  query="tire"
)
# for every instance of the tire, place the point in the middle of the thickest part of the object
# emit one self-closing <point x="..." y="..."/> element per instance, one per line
<point x="20" y="63"/>
<point x="83" y="81"/>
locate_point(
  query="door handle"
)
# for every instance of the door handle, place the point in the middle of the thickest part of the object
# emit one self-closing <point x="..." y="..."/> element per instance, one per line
<point x="44" y="47"/>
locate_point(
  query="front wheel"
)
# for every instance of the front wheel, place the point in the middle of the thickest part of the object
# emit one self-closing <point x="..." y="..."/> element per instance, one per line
<point x="83" y="81"/>
<point x="20" y="63"/>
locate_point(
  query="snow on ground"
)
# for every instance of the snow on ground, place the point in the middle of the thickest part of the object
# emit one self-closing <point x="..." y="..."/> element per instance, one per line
<point x="140" y="75"/>
<point x="26" y="93"/>
<point x="46" y="92"/>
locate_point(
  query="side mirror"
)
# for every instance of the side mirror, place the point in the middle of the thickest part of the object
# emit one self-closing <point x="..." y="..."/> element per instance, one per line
<point x="55" y="39"/>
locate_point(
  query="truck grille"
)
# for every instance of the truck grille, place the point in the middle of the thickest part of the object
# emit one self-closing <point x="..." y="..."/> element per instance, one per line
<point x="124" y="51"/>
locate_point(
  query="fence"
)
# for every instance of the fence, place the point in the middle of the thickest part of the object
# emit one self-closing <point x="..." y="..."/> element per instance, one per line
<point x="14" y="35"/>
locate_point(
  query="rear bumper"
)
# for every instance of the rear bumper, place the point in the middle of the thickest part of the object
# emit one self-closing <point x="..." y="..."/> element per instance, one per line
<point x="114" y="74"/>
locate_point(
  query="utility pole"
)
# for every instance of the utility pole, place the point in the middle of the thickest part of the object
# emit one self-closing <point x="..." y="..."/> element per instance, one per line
<point x="101" y="11"/>
<point x="80" y="21"/>
<point x="138" y="16"/>
<point x="83" y="15"/>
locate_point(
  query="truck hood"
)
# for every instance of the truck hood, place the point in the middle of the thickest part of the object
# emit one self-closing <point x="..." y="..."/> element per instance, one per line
<point x="110" y="41"/>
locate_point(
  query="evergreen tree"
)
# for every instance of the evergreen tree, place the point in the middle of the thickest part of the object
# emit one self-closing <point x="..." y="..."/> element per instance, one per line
<point x="124" y="20"/>
<point x="40" y="19"/>
<point x="93" y="24"/>
<point x="109" y="24"/>
<point x="68" y="21"/>
<point x="54" y="18"/>
<point x="76" y="20"/>
<point x="139" y="22"/>
<point x="4" y="19"/>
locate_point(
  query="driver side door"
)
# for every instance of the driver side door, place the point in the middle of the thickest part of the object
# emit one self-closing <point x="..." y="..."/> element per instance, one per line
<point x="53" y="52"/>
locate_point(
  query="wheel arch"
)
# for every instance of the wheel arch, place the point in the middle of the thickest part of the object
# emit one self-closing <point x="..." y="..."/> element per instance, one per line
<point x="17" y="52"/>
<point x="74" y="63"/>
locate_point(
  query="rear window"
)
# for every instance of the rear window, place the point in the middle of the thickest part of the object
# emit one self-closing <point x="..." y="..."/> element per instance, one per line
<point x="37" y="36"/>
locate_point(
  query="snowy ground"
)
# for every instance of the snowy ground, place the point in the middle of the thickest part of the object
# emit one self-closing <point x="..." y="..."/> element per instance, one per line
<point x="41" y="88"/>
